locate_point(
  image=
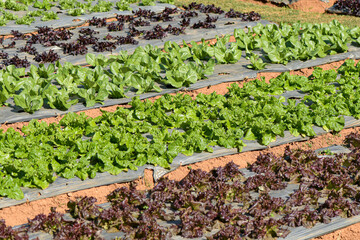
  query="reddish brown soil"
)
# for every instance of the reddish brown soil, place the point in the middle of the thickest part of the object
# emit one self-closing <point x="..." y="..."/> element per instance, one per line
<point x="350" y="233"/>
<point x="312" y="5"/>
<point x="19" y="214"/>
<point x="302" y="5"/>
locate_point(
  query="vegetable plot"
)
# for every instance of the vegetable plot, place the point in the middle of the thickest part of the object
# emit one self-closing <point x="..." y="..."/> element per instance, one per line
<point x="269" y="199"/>
<point x="50" y="45"/>
<point x="155" y="133"/>
<point x="27" y="11"/>
<point x="149" y="67"/>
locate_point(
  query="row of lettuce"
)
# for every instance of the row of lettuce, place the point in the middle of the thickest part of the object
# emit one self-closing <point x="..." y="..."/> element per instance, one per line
<point x="61" y="86"/>
<point x="157" y="132"/>
<point x="220" y="204"/>
<point x="48" y="10"/>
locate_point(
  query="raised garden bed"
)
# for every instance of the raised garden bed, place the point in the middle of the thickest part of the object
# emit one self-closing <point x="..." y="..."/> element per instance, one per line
<point x="107" y="79"/>
<point x="126" y="32"/>
<point x="82" y="132"/>
<point x="345" y="7"/>
<point x="26" y="15"/>
<point x="277" y="196"/>
<point x="174" y="131"/>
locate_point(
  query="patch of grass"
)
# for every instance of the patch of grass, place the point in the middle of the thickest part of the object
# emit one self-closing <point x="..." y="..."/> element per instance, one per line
<point x="278" y="14"/>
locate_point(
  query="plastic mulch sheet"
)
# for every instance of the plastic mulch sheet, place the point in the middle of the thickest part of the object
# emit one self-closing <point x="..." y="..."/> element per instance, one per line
<point x="296" y="233"/>
<point x="61" y="185"/>
<point x="222" y="73"/>
<point x="66" y="20"/>
<point x="223" y="26"/>
<point x="335" y="9"/>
